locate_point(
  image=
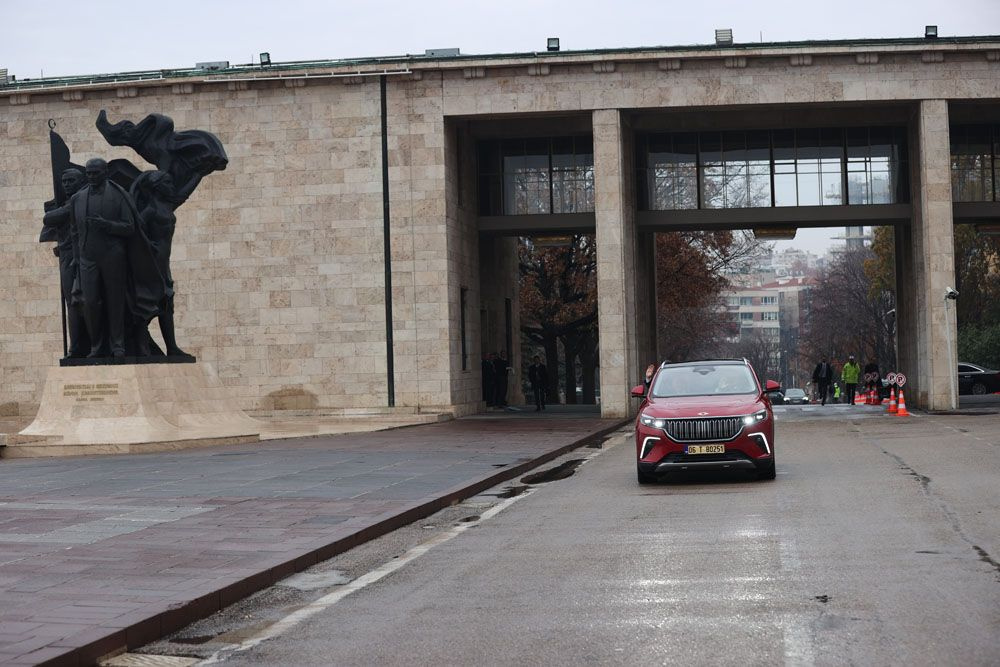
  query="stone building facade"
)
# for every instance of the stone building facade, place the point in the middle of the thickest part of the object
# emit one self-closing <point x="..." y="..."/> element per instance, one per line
<point x="281" y="264"/>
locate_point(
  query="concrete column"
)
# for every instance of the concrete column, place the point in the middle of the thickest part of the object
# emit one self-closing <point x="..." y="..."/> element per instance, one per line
<point x="906" y="322"/>
<point x="620" y="315"/>
<point x="933" y="258"/>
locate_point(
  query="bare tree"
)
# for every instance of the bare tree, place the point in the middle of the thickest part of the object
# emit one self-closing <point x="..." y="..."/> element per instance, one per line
<point x="848" y="316"/>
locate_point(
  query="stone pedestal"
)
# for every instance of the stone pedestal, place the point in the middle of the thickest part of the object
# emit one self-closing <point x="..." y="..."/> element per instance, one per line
<point x="118" y="409"/>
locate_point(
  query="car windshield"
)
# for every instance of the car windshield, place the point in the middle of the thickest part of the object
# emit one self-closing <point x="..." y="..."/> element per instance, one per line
<point x="704" y="380"/>
<point x="794" y="393"/>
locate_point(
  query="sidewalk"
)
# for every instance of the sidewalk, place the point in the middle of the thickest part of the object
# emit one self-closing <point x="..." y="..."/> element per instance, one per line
<point x="102" y="553"/>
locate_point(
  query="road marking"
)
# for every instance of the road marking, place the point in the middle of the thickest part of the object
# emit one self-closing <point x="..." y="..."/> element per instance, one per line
<point x="795" y="633"/>
<point x="321" y="604"/>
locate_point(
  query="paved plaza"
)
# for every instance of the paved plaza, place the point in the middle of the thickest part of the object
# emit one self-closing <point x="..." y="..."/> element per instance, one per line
<point x="97" y="553"/>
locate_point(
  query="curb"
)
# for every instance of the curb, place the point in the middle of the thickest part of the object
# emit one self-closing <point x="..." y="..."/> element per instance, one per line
<point x="104" y="642"/>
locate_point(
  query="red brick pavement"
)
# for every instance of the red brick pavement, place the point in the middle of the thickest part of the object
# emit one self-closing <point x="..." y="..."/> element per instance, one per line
<point x="98" y="554"/>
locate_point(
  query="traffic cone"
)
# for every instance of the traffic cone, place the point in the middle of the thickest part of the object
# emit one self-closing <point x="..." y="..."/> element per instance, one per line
<point x="901" y="409"/>
<point x="859" y="398"/>
<point x="876" y="396"/>
<point x="892" y="401"/>
<point x="869" y="397"/>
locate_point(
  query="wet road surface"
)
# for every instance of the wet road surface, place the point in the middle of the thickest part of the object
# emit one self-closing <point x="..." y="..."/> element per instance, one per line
<point x="877" y="544"/>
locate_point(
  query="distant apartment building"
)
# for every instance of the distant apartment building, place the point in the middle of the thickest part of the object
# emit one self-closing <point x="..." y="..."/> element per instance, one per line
<point x="772" y="314"/>
<point x="753" y="310"/>
<point x="793" y="262"/>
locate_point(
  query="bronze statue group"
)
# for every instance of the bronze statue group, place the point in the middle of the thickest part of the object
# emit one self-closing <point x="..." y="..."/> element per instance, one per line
<point x="113" y="226"/>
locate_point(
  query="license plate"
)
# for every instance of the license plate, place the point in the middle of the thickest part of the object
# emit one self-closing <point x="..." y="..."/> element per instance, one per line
<point x="706" y="449"/>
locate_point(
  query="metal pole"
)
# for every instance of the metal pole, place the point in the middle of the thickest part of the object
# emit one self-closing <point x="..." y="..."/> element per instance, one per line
<point x="387" y="260"/>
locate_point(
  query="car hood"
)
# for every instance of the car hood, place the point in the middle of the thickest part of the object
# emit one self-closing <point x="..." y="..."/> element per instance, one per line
<point x="697" y="406"/>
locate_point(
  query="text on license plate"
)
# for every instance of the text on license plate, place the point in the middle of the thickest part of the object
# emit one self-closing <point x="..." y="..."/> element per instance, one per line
<point x="706" y="449"/>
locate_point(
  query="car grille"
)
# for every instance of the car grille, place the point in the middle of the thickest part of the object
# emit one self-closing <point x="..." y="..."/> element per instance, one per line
<point x="699" y="430"/>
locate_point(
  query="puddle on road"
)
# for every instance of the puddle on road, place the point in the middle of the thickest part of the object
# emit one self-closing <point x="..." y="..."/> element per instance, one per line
<point x="561" y="471"/>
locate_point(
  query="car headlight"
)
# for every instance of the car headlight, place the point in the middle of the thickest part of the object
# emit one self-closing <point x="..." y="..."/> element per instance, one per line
<point x="652" y="422"/>
<point x="750" y="420"/>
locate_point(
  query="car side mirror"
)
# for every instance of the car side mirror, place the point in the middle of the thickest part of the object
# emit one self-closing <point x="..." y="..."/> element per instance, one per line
<point x="771" y="385"/>
<point x="639" y="391"/>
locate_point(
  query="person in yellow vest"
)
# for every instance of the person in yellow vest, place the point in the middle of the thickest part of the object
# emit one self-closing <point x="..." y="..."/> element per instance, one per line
<point x="849" y="376"/>
<point x="836" y="392"/>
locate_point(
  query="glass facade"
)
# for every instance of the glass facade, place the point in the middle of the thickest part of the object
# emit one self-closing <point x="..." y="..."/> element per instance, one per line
<point x="536" y="176"/>
<point x="763" y="168"/>
<point x="974" y="162"/>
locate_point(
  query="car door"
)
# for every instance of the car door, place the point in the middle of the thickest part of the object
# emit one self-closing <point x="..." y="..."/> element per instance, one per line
<point x="966" y="377"/>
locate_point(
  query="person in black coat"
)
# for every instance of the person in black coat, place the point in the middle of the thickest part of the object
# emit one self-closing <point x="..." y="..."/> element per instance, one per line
<point x="538" y="376"/>
<point x="500" y="369"/>
<point x="489" y="380"/>
<point x="823" y="376"/>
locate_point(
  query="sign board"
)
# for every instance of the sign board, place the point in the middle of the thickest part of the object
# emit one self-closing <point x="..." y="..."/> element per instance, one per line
<point x="900" y="379"/>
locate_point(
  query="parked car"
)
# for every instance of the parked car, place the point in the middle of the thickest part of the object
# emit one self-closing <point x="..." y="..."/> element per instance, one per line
<point x="975" y="379"/>
<point x="711" y="414"/>
<point x="796" y="396"/>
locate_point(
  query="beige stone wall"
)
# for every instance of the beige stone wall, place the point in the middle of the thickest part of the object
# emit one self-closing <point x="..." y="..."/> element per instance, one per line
<point x="277" y="260"/>
<point x="715" y="82"/>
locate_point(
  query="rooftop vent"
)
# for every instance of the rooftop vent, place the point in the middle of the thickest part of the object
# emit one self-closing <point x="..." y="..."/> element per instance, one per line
<point x="442" y="53"/>
<point x="724" y="37"/>
<point x="213" y="65"/>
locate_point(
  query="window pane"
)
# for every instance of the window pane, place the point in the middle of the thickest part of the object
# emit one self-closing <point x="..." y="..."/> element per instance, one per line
<point x="672" y="173"/>
<point x="489" y="157"/>
<point x="526" y="184"/>
<point x="971" y="163"/>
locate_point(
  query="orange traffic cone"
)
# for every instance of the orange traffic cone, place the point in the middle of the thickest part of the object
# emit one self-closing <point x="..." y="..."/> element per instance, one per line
<point x="901" y="409"/>
<point x="870" y="397"/>
<point x="876" y="396"/>
<point x="892" y="402"/>
<point x="859" y="398"/>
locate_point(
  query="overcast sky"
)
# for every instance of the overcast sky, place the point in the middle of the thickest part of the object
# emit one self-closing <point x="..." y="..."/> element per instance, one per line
<point x="57" y="37"/>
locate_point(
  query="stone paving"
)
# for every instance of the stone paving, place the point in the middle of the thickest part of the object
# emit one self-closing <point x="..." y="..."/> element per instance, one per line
<point x="102" y="553"/>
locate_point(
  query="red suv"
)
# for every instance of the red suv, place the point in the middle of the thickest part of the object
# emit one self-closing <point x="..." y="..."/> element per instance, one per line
<point x="704" y="415"/>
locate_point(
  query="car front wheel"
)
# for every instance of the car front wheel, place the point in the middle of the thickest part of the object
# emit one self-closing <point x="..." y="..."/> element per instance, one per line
<point x="767" y="470"/>
<point x="979" y="389"/>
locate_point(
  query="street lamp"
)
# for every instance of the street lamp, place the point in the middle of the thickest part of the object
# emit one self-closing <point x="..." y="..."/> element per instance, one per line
<point x="950" y="294"/>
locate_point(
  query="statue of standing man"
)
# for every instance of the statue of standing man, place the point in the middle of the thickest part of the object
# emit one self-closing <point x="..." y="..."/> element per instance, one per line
<point x="103" y="218"/>
<point x="57" y="224"/>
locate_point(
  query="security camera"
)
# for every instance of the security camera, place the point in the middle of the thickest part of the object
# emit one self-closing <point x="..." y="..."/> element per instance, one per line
<point x="950" y="293"/>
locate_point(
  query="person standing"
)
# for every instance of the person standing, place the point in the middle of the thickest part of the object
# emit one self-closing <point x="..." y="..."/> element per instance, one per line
<point x="823" y="376"/>
<point x="489" y="380"/>
<point x="538" y="376"/>
<point x="849" y="376"/>
<point x="500" y="369"/>
<point x="836" y="392"/>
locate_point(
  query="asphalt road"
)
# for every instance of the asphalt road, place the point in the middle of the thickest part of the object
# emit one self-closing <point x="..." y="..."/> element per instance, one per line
<point x="878" y="543"/>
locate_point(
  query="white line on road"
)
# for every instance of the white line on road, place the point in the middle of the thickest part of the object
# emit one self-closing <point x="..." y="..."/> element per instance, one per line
<point x="795" y="632"/>
<point x="316" y="606"/>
